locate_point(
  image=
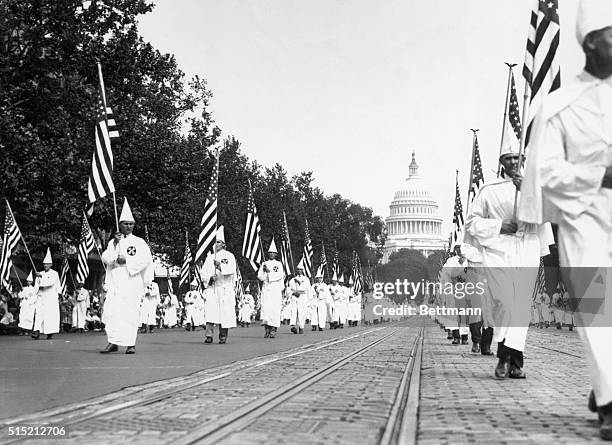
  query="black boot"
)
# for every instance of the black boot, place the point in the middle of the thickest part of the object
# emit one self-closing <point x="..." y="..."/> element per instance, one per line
<point x="464" y="339"/>
<point x="130" y="350"/>
<point x="143" y="329"/>
<point x="49" y="336"/>
<point x="36" y="335"/>
<point x="294" y="330"/>
<point x="267" y="335"/>
<point x="272" y="331"/>
<point x="109" y="348"/>
<point x="502" y="370"/>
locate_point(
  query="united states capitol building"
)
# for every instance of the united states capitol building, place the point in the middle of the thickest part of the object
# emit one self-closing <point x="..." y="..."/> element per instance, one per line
<point x="414" y="221"/>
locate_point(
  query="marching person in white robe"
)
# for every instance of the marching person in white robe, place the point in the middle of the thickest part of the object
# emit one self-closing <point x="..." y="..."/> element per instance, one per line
<point x="219" y="272"/>
<point x="334" y="303"/>
<point x="343" y="303"/>
<point x="148" y="308"/>
<point x="47" y="305"/>
<point x="247" y="306"/>
<point x="322" y="296"/>
<point x="451" y="274"/>
<point x="27" y="305"/>
<point x="272" y="277"/>
<point x="79" y="310"/>
<point x="511" y="257"/>
<point x="170" y="315"/>
<point x="354" y="312"/>
<point x="299" y="293"/>
<point x="128" y="274"/>
<point x="194" y="303"/>
<point x="569" y="182"/>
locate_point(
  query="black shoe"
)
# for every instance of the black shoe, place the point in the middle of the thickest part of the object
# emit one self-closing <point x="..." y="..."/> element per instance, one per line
<point x="294" y="330"/>
<point x="143" y="329"/>
<point x="464" y="340"/>
<point x="49" y="336"/>
<point x="36" y="335"/>
<point x="188" y="327"/>
<point x="605" y="427"/>
<point x="486" y="352"/>
<point x="130" y="350"/>
<point x="320" y="329"/>
<point x="449" y="336"/>
<point x="300" y="331"/>
<point x="503" y="369"/>
<point x="208" y="340"/>
<point x="516" y="372"/>
<point x="272" y="332"/>
<point x="109" y="348"/>
<point x="456" y="341"/>
<point x="222" y="340"/>
<point x="314" y="328"/>
<point x="475" y="348"/>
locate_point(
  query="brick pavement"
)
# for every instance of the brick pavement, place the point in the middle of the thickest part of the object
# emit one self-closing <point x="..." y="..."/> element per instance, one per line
<point x="462" y="403"/>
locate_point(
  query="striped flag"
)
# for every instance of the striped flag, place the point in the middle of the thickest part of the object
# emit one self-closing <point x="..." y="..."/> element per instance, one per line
<point x="357" y="278"/>
<point x="239" y="292"/>
<point x="540" y="285"/>
<point x="64" y="277"/>
<point x="170" y="287"/>
<point x="511" y="136"/>
<point x="335" y="265"/>
<point x="86" y="245"/>
<point x="542" y="68"/>
<point x="286" y="254"/>
<point x="101" y="178"/>
<point x="458" y="221"/>
<point x="251" y="244"/>
<point x="186" y="267"/>
<point x="322" y="261"/>
<point x="307" y="255"/>
<point x="206" y="240"/>
<point x="10" y="239"/>
<point x="477" y="180"/>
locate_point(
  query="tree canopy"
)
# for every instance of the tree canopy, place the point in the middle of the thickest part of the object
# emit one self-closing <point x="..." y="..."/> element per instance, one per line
<point x="163" y="157"/>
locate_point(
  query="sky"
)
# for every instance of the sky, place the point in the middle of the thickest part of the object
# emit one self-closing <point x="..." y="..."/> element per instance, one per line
<point x="349" y="88"/>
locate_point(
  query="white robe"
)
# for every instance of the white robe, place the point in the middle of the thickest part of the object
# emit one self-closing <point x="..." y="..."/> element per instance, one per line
<point x="321" y="299"/>
<point x="271" y="292"/>
<point x="47" y="307"/>
<point x="194" y="312"/>
<point x="510" y="261"/>
<point x="170" y="316"/>
<point x="148" y="305"/>
<point x="27" y="307"/>
<point x="220" y="305"/>
<point x="246" y="308"/>
<point x="299" y="289"/>
<point x="126" y="284"/>
<point x="79" y="310"/>
<point x="569" y="153"/>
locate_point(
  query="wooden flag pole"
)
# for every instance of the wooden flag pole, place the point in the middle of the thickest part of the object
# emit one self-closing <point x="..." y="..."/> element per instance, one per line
<point x="17" y="275"/>
<point x="510" y="66"/>
<point x="471" y="176"/>
<point x="21" y="236"/>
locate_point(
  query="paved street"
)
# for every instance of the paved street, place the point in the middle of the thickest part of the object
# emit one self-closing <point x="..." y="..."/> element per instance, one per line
<point x="346" y="386"/>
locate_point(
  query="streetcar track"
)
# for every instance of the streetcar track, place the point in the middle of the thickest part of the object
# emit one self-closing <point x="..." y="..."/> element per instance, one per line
<point x="75" y="414"/>
<point x="556" y="350"/>
<point x="402" y="423"/>
<point x="220" y="428"/>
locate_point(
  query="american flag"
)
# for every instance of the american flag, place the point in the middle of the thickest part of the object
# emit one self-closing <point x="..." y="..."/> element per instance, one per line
<point x="251" y="244"/>
<point x="64" y="277"/>
<point x="239" y="291"/>
<point x="206" y="240"/>
<point x="286" y="254"/>
<point x="477" y="175"/>
<point x="186" y="267"/>
<point x="335" y="265"/>
<point x="540" y="285"/>
<point x="514" y="115"/>
<point x="10" y="239"/>
<point x="307" y="258"/>
<point x="101" y="178"/>
<point x="170" y="287"/>
<point x="86" y="245"/>
<point x="542" y="69"/>
<point x="322" y="261"/>
<point x="458" y="214"/>
<point x="357" y="279"/>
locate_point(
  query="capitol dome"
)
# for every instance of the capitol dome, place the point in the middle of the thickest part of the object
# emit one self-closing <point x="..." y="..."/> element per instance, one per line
<point x="414" y="221"/>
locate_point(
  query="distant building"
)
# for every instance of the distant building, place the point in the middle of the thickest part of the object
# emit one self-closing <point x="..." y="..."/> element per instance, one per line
<point x="413" y="221"/>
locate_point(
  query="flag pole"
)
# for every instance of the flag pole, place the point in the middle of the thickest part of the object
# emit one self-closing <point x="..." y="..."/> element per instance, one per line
<point x="469" y="190"/>
<point x="523" y="140"/>
<point x="289" y="242"/>
<point x="510" y="66"/>
<point x="8" y="206"/>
